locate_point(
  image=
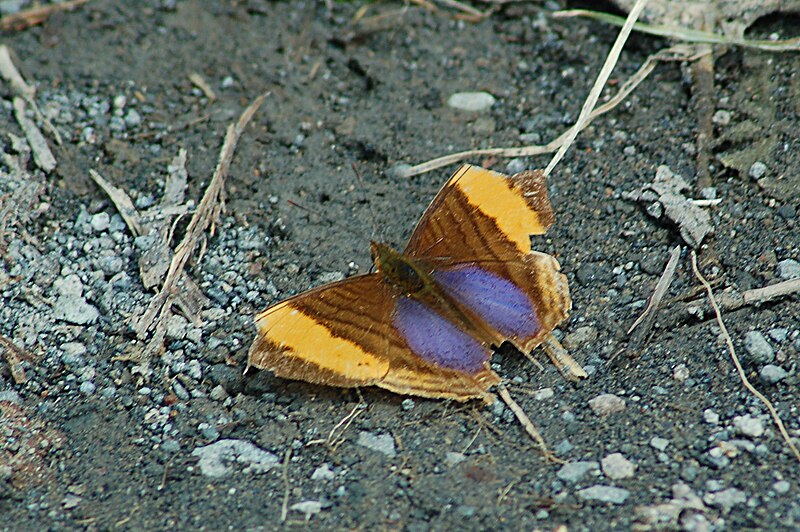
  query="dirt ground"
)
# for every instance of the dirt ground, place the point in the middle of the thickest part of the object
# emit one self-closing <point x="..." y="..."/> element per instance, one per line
<point x="89" y="441"/>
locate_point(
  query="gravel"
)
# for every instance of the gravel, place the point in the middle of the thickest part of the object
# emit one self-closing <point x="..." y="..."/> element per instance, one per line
<point x="215" y="460"/>
<point x="607" y="494"/>
<point x="382" y="443"/>
<point x="758" y="348"/>
<point x="575" y="471"/>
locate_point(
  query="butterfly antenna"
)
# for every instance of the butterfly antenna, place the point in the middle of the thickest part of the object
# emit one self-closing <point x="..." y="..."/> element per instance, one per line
<point x="366" y="200"/>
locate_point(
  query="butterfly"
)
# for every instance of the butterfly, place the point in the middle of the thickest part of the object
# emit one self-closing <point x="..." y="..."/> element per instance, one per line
<point x="424" y="322"/>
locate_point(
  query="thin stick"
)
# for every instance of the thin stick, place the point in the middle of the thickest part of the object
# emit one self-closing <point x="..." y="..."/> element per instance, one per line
<point x="286" y="486"/>
<point x="659" y="292"/>
<point x="760" y="295"/>
<point x="527" y="424"/>
<point x="675" y="53"/>
<point x="602" y="78"/>
<point x="735" y="359"/>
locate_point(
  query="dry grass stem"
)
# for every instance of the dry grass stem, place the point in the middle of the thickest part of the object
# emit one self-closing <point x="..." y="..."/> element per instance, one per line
<point x="600" y="82"/>
<point x="739" y="369"/>
<point x="685" y="34"/>
<point x="286" y="485"/>
<point x="527" y="424"/>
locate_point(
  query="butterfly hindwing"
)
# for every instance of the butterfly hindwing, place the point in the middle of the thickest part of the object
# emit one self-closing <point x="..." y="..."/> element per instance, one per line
<point x="357" y="333"/>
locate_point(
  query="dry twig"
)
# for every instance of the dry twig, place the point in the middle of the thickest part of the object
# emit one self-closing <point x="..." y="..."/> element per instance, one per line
<point x="14" y="357"/>
<point x="649" y="315"/>
<point x="600" y="82"/>
<point x="205" y="217"/>
<point x="527" y="424"/>
<point x="739" y="369"/>
<point x="36" y="15"/>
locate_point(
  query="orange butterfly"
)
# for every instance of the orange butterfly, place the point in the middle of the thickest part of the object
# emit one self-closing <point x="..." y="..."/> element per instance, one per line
<point x="424" y="322"/>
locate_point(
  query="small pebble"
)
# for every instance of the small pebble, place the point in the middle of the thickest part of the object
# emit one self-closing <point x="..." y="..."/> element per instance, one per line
<point x="452" y="458"/>
<point x="323" y="472"/>
<point x="218" y="393"/>
<point x="606" y="404"/>
<point x="87" y="388"/>
<point x="781" y="487"/>
<point x="601" y="493"/>
<point x="616" y="466"/>
<point x="382" y="443"/>
<point x="659" y="443"/>
<point x="721" y="117"/>
<point x="788" y="269"/>
<point x="543" y="394"/>
<point x="725" y="500"/>
<point x="680" y="373"/>
<point x="407" y="404"/>
<point x="772" y="374"/>
<point x="180" y="391"/>
<point x="100" y="222"/>
<point x="471" y="101"/>
<point x="757" y="170"/>
<point x="580" y="336"/>
<point x="516" y="166"/>
<point x="216" y="459"/>
<point x="574" y="471"/>
<point x="758" y="348"/>
<point x="748" y="426"/>
<point x="710" y="417"/>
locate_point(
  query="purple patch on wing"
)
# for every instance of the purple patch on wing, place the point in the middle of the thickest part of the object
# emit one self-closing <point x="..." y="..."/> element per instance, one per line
<point x="435" y="339"/>
<point x="498" y="301"/>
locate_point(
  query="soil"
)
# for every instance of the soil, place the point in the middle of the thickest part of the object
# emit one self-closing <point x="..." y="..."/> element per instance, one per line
<point x="89" y="440"/>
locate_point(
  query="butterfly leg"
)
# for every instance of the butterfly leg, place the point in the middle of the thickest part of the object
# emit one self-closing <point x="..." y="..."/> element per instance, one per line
<point x="562" y="360"/>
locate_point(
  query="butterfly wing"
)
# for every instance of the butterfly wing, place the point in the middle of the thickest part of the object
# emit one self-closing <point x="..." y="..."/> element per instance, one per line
<point x="357" y="332"/>
<point x="475" y="238"/>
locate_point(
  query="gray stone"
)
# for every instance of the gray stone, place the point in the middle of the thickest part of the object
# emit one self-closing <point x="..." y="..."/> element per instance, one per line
<point x="758" y="348"/>
<point x="748" y="426"/>
<point x="11" y="396"/>
<point x="680" y="373"/>
<point x="772" y="374"/>
<point x="788" y="269"/>
<point x="87" y="388"/>
<point x="100" y="222"/>
<point x="616" y="466"/>
<point x="383" y="443"/>
<point x="176" y="327"/>
<point x="659" y="443"/>
<point x="407" y="404"/>
<point x="171" y="446"/>
<point x="516" y="166"/>
<point x="218" y="393"/>
<point x="757" y="170"/>
<point x="215" y="459"/>
<point x="601" y="493"/>
<point x="75" y="310"/>
<point x="543" y="394"/>
<point x="779" y="334"/>
<point x="307" y="507"/>
<point x="453" y="458"/>
<point x="606" y="404"/>
<point x="70" y="285"/>
<point x="194" y="370"/>
<point x="323" y="472"/>
<point x="471" y="101"/>
<point x="574" y="471"/>
<point x="710" y="417"/>
<point x="782" y="487"/>
<point x="725" y="500"/>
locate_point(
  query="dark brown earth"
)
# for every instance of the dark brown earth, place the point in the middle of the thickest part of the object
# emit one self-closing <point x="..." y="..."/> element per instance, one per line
<point x="92" y="442"/>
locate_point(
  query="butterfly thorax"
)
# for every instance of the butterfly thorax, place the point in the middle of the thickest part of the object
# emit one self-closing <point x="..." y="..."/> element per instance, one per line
<point x="412" y="278"/>
<point x="400" y="272"/>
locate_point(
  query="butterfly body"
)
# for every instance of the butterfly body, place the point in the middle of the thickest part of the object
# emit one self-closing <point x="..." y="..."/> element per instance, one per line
<point x="425" y="321"/>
